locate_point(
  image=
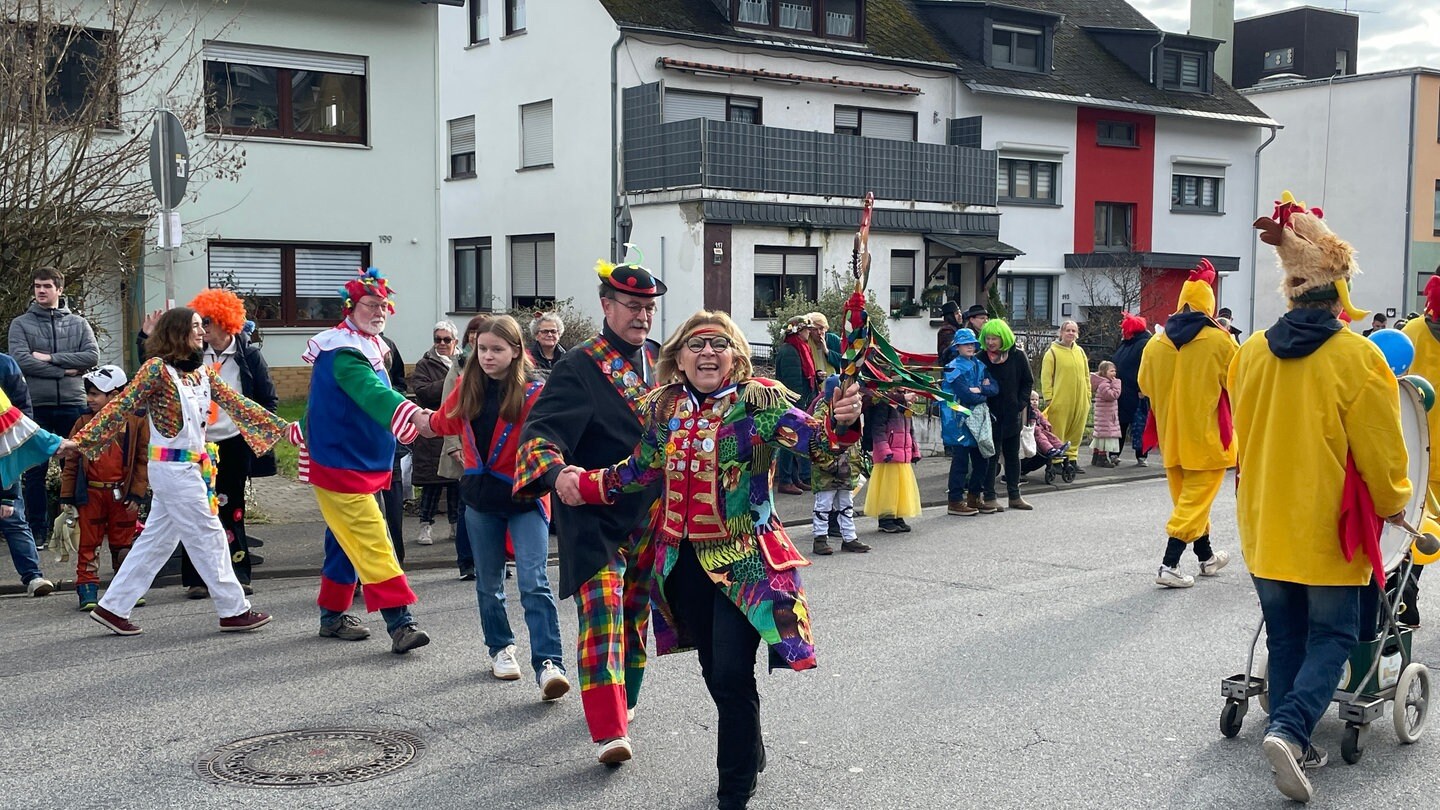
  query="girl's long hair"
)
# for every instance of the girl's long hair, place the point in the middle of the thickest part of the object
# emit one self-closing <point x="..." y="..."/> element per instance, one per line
<point x="474" y="382"/>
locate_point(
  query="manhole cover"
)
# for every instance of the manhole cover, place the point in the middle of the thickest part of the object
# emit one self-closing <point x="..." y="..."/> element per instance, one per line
<point x="310" y="758"/>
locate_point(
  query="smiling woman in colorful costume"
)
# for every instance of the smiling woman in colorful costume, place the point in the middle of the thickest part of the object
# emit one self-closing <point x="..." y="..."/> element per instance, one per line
<point x="725" y="568"/>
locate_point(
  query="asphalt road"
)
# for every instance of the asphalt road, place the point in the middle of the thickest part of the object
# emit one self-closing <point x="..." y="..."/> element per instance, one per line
<point x="1015" y="661"/>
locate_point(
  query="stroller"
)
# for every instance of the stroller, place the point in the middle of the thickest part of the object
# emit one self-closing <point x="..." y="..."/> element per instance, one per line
<point x="1380" y="669"/>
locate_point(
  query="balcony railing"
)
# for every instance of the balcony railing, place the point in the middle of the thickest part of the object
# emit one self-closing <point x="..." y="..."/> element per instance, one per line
<point x="725" y="155"/>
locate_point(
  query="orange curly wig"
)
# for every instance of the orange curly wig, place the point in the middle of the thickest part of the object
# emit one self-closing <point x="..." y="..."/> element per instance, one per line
<point x="223" y="307"/>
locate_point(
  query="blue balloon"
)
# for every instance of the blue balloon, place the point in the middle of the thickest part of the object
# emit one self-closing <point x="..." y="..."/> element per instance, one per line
<point x="1396" y="346"/>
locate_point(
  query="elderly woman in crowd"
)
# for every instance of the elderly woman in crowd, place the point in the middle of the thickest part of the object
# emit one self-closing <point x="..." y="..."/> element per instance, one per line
<point x="1065" y="387"/>
<point x="726" y="571"/>
<point x="545" y="349"/>
<point x="427" y="382"/>
<point x="824" y="346"/>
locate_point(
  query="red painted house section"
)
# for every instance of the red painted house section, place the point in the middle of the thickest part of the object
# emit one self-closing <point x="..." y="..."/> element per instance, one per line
<point x="1159" y="290"/>
<point x="1121" y="174"/>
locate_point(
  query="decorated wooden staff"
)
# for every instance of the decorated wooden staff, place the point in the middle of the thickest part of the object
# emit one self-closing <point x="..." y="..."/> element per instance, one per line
<point x="867" y="358"/>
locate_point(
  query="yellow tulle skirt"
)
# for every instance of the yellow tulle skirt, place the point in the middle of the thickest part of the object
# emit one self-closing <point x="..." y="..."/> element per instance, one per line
<point x="892" y="491"/>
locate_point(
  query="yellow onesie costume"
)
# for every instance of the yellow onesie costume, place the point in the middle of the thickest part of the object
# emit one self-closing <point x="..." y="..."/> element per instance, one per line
<point x="1065" y="386"/>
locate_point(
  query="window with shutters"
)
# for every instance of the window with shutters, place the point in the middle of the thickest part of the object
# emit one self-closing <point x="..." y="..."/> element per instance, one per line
<point x="462" y="147"/>
<point x="282" y="93"/>
<point x="869" y="123"/>
<point x="479" y="21"/>
<point x="1186" y="70"/>
<point x="474" y="291"/>
<point x="287" y="284"/>
<point x="902" y="283"/>
<point x="682" y="105"/>
<point x="514" y="17"/>
<point x="830" y="19"/>
<point x="1191" y="194"/>
<point x="537" y="145"/>
<point x="1027" y="181"/>
<point x="782" y="271"/>
<point x="532" y="271"/>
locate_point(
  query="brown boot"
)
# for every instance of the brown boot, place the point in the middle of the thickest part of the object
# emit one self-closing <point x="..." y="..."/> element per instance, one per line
<point x="962" y="509"/>
<point x="974" y="502"/>
<point x="990" y="505"/>
<point x="822" y="547"/>
<point x="1019" y="503"/>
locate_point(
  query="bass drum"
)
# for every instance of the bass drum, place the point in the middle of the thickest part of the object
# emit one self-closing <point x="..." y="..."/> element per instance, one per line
<point x="1394" y="542"/>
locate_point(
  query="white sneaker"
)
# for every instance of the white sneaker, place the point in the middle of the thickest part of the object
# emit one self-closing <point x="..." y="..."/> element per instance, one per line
<point x="1140" y="462"/>
<point x="629" y="715"/>
<point x="1172" y="578"/>
<point x="1284" y="759"/>
<point x="616" y="751"/>
<point x="553" y="683"/>
<point x="425" y="538"/>
<point x="1212" y="566"/>
<point x="505" y="667"/>
<point x="40" y="586"/>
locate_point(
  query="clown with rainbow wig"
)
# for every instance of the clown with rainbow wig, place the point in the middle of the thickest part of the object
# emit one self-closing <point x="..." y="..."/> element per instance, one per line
<point x="347" y="446"/>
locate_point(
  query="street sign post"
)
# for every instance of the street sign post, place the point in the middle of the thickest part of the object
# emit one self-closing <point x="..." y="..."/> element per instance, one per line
<point x="169" y="173"/>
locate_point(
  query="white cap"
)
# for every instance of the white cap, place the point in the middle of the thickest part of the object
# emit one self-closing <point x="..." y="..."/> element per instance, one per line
<point x="107" y="378"/>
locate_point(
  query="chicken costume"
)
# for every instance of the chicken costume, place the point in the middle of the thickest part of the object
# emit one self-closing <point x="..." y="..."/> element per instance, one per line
<point x="1321" y="456"/>
<point x="1425" y="334"/>
<point x="1182" y="371"/>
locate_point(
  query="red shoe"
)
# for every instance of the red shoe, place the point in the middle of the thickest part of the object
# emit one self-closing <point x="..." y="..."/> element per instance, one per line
<point x="789" y="489"/>
<point x="116" y="624"/>
<point x="249" y="620"/>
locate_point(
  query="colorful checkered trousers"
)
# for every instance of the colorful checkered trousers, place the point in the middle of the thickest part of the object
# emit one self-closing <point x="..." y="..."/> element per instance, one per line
<point x="614" y="610"/>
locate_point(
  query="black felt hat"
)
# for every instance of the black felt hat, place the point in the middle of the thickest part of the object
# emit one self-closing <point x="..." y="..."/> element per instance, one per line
<point x="950" y="308"/>
<point x="976" y="309"/>
<point x="633" y="279"/>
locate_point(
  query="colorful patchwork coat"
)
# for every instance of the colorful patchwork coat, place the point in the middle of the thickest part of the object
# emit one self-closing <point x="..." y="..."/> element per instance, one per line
<point x="713" y="455"/>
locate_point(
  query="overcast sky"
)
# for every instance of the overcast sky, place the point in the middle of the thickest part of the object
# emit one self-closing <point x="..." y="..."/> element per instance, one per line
<point x="1393" y="33"/>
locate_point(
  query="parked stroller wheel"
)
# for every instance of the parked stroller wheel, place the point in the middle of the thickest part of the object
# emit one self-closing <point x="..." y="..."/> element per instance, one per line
<point x="1067" y="472"/>
<point x="1232" y="717"/>
<point x="1352" y="743"/>
<point x="1049" y="473"/>
<point x="1412" y="703"/>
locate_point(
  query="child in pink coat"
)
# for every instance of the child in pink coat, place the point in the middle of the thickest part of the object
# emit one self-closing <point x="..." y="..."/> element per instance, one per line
<point x="893" y="493"/>
<point x="1105" y="387"/>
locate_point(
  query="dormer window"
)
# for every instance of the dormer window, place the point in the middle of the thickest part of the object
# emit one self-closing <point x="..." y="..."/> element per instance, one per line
<point x="1017" y="47"/>
<point x="1186" y="70"/>
<point x="831" y="19"/>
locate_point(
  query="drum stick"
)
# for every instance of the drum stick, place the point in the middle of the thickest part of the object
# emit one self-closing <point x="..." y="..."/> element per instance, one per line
<point x="1425" y="542"/>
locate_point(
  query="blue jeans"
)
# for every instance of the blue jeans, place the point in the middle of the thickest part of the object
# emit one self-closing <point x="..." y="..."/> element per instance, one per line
<point x="968" y="468"/>
<point x="464" y="555"/>
<point x="22" y="544"/>
<point x="529" y="535"/>
<point x="395" y="618"/>
<point x="791" y="468"/>
<point x="58" y="420"/>
<point x="1310" y="630"/>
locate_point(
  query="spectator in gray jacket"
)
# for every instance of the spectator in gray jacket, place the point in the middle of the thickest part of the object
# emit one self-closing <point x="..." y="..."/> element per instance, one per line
<point x="53" y="346"/>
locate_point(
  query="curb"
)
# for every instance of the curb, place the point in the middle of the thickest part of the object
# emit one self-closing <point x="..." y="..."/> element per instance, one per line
<point x="294" y="572"/>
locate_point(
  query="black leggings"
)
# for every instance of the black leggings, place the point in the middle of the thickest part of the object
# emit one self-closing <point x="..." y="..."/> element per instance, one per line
<point x="727" y="643"/>
<point x="1009" y="449"/>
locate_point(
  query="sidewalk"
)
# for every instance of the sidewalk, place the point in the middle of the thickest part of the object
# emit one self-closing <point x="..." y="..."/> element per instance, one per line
<point x="294" y="536"/>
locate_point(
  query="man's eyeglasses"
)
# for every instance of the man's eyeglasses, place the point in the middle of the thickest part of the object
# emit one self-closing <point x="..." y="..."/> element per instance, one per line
<point x="444" y="340"/>
<point x="719" y="343"/>
<point x="637" y="309"/>
<point x="379" y="306"/>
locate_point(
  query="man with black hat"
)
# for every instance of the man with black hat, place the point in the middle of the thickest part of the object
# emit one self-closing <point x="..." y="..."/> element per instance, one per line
<point x="587" y="416"/>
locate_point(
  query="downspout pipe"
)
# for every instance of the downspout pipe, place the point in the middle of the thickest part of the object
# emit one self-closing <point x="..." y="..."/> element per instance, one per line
<point x="1254" y="215"/>
<point x="615" y="192"/>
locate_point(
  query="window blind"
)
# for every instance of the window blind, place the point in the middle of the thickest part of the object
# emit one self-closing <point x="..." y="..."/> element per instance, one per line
<point x="321" y="272"/>
<point x="537" y="145"/>
<point x="248" y="270"/>
<point x="682" y="106"/>
<point x="462" y="135"/>
<point x="284" y="58"/>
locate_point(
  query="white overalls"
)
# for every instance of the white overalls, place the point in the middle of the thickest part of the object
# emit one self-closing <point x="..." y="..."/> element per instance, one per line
<point x="179" y="513"/>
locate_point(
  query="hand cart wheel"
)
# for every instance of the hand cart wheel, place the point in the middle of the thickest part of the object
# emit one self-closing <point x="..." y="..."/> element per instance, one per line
<point x="1412" y="703"/>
